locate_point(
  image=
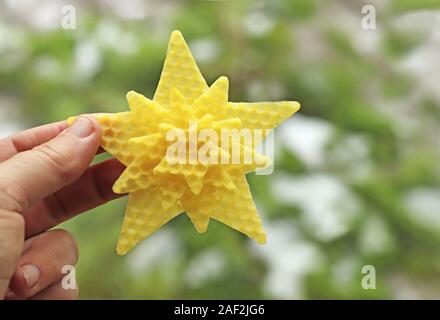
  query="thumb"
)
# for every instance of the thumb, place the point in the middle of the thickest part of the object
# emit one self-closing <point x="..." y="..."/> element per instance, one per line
<point x="33" y="175"/>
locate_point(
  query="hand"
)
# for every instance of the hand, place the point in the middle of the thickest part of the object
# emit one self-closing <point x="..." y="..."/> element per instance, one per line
<point x="45" y="179"/>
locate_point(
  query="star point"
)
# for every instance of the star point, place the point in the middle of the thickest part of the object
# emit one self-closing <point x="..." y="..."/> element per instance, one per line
<point x="207" y="183"/>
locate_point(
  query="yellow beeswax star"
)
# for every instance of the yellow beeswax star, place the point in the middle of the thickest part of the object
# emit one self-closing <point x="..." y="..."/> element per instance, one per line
<point x="160" y="185"/>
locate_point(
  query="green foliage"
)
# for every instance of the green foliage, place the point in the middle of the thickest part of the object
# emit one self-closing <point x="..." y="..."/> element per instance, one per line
<point x="264" y="51"/>
<point x="410" y="5"/>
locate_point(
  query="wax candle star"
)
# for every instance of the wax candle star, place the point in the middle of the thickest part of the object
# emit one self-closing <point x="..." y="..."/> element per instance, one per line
<point x="160" y="189"/>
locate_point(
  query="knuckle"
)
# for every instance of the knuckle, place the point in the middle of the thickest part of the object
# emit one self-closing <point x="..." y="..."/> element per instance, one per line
<point x="12" y="221"/>
<point x="13" y="197"/>
<point x="11" y="237"/>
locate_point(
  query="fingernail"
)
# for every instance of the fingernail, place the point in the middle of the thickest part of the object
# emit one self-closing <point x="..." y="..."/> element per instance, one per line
<point x="82" y="127"/>
<point x="31" y="274"/>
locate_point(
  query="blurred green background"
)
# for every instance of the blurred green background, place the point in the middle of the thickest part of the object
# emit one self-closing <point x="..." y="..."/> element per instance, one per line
<point x="357" y="173"/>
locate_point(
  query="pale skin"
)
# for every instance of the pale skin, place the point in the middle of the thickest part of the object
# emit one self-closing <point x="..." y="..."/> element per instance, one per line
<point x="46" y="177"/>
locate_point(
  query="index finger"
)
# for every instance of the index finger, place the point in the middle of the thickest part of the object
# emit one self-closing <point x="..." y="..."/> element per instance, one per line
<point x="29" y="139"/>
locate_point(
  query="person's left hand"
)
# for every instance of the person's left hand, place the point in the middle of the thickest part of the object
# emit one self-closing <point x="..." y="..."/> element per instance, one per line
<point x="45" y="179"/>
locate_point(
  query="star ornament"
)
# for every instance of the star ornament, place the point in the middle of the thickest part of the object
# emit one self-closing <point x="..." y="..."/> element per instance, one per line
<point x="188" y="150"/>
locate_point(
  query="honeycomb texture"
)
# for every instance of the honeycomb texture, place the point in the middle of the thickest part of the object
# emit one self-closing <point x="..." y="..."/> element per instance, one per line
<point x="144" y="215"/>
<point x="180" y="71"/>
<point x="161" y="185"/>
<point x="236" y="210"/>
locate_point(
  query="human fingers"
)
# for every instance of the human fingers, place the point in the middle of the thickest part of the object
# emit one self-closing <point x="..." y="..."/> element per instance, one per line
<point x="93" y="189"/>
<point x="11" y="244"/>
<point x="31" y="176"/>
<point x="57" y="292"/>
<point x="41" y="264"/>
<point x="28" y="139"/>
